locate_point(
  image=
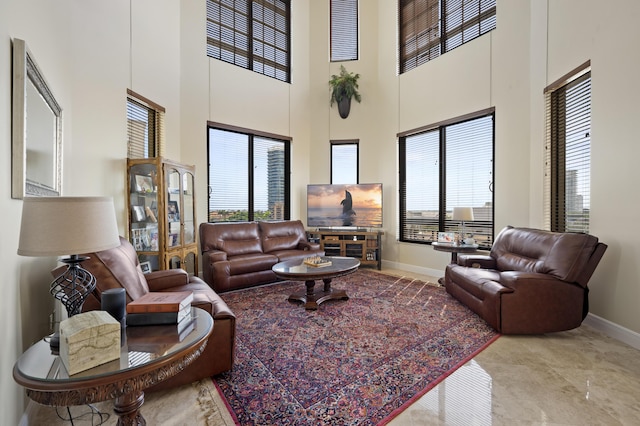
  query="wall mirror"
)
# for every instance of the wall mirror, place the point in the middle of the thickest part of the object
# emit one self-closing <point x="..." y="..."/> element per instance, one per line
<point x="36" y="130"/>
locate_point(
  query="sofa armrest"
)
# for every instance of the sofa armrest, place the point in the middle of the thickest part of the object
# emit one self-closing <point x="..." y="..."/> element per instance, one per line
<point x="213" y="256"/>
<point x="520" y="280"/>
<point x="307" y="246"/>
<point x="162" y="280"/>
<point x="477" y="261"/>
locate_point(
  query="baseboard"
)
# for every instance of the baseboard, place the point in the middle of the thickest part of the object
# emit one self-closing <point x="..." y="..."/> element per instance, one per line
<point x="613" y="330"/>
<point x="413" y="268"/>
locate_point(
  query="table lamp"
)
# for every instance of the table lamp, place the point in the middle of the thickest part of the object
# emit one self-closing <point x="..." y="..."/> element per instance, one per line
<point x="463" y="214"/>
<point x="57" y="226"/>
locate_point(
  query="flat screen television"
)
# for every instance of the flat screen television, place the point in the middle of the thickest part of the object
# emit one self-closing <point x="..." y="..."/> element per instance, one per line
<point x="345" y="205"/>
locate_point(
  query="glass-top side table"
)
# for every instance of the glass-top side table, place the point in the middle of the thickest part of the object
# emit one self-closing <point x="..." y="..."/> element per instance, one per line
<point x="454" y="249"/>
<point x="148" y="355"/>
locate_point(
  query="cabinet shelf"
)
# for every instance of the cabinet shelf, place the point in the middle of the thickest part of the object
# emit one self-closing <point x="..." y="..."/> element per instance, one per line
<point x="363" y="245"/>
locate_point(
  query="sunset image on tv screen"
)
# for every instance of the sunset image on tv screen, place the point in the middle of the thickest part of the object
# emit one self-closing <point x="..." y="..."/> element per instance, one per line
<point x="358" y="205"/>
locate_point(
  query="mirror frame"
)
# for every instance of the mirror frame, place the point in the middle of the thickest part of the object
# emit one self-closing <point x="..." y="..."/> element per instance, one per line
<point x="26" y="70"/>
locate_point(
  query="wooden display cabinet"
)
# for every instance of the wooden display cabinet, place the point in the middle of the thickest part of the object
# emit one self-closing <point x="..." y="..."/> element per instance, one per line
<point x="363" y="245"/>
<point x="162" y="220"/>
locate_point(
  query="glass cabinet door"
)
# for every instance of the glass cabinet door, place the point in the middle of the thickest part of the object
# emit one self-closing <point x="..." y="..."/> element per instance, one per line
<point x="189" y="263"/>
<point x="189" y="213"/>
<point x="143" y="202"/>
<point x="174" y="208"/>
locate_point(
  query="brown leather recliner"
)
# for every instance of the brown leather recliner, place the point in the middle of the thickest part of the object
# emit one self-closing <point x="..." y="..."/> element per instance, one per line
<point x="119" y="267"/>
<point x="532" y="281"/>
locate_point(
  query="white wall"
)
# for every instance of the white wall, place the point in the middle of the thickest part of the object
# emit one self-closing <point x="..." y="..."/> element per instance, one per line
<point x="90" y="53"/>
<point x="578" y="31"/>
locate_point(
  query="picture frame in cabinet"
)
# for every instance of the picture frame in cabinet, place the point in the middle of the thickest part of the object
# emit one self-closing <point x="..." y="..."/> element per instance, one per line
<point x="154" y="240"/>
<point x="138" y="214"/>
<point x="144" y="184"/>
<point x="172" y="211"/>
<point x="137" y="239"/>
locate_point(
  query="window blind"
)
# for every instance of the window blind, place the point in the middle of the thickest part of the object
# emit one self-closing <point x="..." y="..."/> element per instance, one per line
<point x="228" y="176"/>
<point x="420" y="186"/>
<point x="145" y="127"/>
<point x="568" y="156"/>
<point x="344" y="30"/>
<point x="469" y="176"/>
<point x="344" y="162"/>
<point x="447" y="166"/>
<point x="429" y="28"/>
<point x="253" y="34"/>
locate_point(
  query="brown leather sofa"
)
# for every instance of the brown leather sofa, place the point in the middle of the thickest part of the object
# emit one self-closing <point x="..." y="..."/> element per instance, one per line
<point x="119" y="267"/>
<point x="240" y="254"/>
<point x="532" y="281"/>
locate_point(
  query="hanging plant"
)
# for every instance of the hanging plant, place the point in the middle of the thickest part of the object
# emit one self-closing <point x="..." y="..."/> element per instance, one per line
<point x="344" y="86"/>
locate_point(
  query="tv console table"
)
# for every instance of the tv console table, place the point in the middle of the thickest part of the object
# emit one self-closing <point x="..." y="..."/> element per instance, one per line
<point x="365" y="246"/>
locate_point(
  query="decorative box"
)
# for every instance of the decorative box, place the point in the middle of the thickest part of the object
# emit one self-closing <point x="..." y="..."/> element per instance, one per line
<point x="88" y="340"/>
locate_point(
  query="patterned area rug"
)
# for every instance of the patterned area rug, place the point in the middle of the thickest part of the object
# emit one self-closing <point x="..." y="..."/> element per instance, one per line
<point x="353" y="362"/>
<point x="197" y="403"/>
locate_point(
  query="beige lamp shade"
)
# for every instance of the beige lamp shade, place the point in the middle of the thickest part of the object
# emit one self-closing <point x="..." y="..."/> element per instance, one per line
<point x="57" y="226"/>
<point x="463" y="213"/>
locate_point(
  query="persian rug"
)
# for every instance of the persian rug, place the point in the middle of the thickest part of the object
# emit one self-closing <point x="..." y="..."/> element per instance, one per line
<point x="351" y="362"/>
<point x="198" y="403"/>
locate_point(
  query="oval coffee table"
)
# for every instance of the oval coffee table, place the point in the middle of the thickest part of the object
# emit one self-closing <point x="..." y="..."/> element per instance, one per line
<point x="297" y="270"/>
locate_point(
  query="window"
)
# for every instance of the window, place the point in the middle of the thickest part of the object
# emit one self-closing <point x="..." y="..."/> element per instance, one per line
<point x="145" y="127"/>
<point x="253" y="34"/>
<point x="344" y="30"/>
<point x="444" y="166"/>
<point x="568" y="153"/>
<point x="248" y="175"/>
<point x="344" y="161"/>
<point x="429" y="28"/>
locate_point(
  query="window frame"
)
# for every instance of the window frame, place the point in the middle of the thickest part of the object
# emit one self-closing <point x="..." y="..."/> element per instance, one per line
<point x="239" y="42"/>
<point x="556" y="189"/>
<point x="336" y="143"/>
<point x="344" y="32"/>
<point x="251" y="135"/>
<point x="444" y="224"/>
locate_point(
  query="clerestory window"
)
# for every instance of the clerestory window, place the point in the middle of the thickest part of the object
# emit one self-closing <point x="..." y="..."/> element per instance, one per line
<point x="344" y="30"/>
<point x="145" y="127"/>
<point x="253" y="34"/>
<point x="430" y="28"/>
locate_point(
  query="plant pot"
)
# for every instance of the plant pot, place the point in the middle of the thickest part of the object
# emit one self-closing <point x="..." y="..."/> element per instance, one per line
<point x="344" y="106"/>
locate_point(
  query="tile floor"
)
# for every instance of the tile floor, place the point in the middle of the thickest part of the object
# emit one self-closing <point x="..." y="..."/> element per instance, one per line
<point x="577" y="377"/>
